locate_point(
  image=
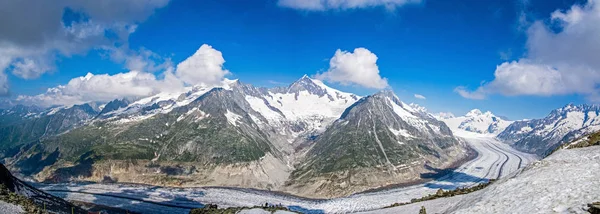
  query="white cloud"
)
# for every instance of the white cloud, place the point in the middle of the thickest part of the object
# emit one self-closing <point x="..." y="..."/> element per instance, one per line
<point x="29" y="68"/>
<point x="558" y="62"/>
<point x="104" y="87"/>
<point x="3" y="83"/>
<point x="358" y="67"/>
<point x="418" y="96"/>
<point x="141" y="60"/>
<point x="322" y="5"/>
<point x="464" y="92"/>
<point x="204" y="67"/>
<point x="37" y="32"/>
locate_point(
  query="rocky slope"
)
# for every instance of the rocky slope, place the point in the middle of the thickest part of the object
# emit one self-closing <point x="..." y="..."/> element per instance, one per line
<point x="378" y="141"/>
<point x="236" y="135"/>
<point x="26" y="125"/>
<point x="29" y="199"/>
<point x="562" y="125"/>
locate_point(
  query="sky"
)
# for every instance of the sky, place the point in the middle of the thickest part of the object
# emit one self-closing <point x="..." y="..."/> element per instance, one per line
<point x="517" y="58"/>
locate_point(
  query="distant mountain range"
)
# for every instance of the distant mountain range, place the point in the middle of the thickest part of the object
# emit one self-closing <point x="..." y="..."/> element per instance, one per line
<point x="306" y="138"/>
<point x="476" y="121"/>
<point x="562" y="125"/>
<point x="539" y="136"/>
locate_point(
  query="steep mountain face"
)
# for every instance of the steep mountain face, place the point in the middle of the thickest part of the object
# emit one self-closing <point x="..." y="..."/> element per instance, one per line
<point x="18" y="113"/>
<point x="114" y="106"/>
<point x="562" y="125"/>
<point x="476" y="121"/>
<point x="377" y="141"/>
<point x="35" y="124"/>
<point x="299" y="111"/>
<point x="211" y="131"/>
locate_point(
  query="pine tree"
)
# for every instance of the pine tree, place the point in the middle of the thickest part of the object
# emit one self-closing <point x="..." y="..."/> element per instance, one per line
<point x="422" y="211"/>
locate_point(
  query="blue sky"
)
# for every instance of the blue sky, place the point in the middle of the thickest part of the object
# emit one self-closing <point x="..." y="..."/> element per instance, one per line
<point x="428" y="48"/>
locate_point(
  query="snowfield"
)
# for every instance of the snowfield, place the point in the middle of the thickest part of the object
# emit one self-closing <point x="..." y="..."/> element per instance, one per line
<point x="494" y="160"/>
<point x="10" y="208"/>
<point x="564" y="182"/>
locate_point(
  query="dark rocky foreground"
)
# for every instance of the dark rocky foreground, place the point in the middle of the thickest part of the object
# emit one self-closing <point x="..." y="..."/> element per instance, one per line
<point x="32" y="200"/>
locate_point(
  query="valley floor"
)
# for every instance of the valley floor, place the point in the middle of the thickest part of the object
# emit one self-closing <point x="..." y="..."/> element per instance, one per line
<point x="494" y="160"/>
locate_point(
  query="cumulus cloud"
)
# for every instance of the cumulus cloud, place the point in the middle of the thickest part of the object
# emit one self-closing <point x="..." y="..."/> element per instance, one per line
<point x="464" y="92"/>
<point x="421" y="97"/>
<point x="358" y="68"/>
<point x="561" y="59"/>
<point x="36" y="32"/>
<point x="103" y="87"/>
<point x="323" y="5"/>
<point x="29" y="68"/>
<point x="204" y="67"/>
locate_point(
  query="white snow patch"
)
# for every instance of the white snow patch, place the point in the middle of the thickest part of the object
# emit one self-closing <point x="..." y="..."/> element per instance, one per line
<point x="260" y="106"/>
<point x="232" y="118"/>
<point x="403" y="111"/>
<point x="10" y="208"/>
<point x="55" y="110"/>
<point x="401" y="132"/>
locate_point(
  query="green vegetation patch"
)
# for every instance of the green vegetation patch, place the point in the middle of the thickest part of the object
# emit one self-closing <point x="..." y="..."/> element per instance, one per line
<point x="445" y="194"/>
<point x="214" y="209"/>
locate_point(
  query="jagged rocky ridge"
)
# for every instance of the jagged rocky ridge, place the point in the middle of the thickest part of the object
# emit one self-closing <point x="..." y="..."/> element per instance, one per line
<point x="237" y="135"/>
<point x="26" y="124"/>
<point x="562" y="125"/>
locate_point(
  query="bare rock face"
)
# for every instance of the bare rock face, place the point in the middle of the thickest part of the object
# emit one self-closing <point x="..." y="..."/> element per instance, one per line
<point x="32" y="199"/>
<point x="594" y="208"/>
<point x="6" y="178"/>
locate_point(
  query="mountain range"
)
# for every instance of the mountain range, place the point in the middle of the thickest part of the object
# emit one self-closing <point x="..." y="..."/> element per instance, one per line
<point x="307" y="139"/>
<point x="476" y="121"/>
<point x="538" y="136"/>
<point x="541" y="136"/>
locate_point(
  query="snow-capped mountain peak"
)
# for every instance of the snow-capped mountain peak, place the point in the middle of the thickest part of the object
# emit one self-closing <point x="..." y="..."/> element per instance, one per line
<point x="473" y="113"/>
<point x="561" y="125"/>
<point x="309" y="85"/>
<point x="476" y="122"/>
<point x="479" y="113"/>
<point x="305" y="106"/>
<point x="444" y="115"/>
<point x="418" y="108"/>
